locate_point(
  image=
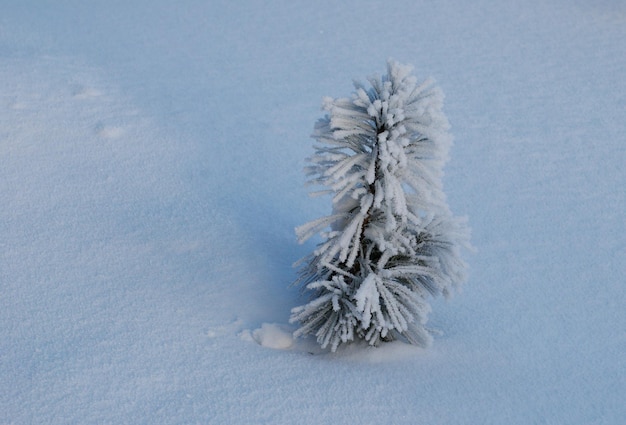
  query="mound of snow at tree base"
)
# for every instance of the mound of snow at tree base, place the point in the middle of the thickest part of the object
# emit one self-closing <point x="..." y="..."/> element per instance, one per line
<point x="150" y="181"/>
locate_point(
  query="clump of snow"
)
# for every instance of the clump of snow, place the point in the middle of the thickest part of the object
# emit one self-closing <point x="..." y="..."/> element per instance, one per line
<point x="272" y="335"/>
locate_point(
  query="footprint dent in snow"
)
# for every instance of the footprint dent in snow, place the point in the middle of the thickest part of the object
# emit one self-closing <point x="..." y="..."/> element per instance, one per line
<point x="83" y="92"/>
<point x="221" y="330"/>
<point x="16" y="105"/>
<point x="109" y="132"/>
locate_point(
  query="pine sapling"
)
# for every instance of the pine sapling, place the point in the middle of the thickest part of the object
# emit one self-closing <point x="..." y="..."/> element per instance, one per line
<point x="391" y="240"/>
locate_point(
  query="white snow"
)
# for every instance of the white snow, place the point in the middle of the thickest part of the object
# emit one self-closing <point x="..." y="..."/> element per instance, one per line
<point x="273" y="335"/>
<point x="150" y="182"/>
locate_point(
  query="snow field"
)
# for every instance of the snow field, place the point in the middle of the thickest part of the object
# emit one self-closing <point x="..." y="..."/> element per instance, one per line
<point x="150" y="181"/>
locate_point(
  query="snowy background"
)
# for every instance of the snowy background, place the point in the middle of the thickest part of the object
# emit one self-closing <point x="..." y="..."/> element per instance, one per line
<point x="151" y="158"/>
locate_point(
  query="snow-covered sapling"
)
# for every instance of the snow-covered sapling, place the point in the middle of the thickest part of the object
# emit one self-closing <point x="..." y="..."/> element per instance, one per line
<point x="391" y="240"/>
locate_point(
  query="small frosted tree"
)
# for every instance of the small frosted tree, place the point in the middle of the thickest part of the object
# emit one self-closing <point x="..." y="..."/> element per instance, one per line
<point x="391" y="240"/>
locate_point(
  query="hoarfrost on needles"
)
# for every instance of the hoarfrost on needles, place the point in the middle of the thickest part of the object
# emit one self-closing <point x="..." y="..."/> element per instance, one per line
<point x="391" y="240"/>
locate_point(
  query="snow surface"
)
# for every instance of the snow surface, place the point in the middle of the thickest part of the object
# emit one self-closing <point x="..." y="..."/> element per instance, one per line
<point x="150" y="181"/>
